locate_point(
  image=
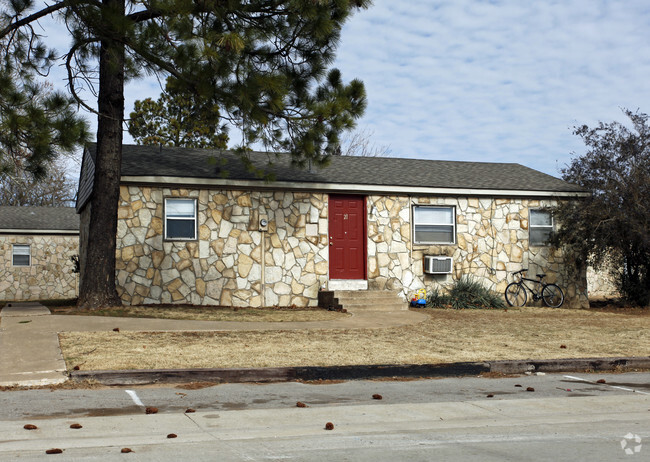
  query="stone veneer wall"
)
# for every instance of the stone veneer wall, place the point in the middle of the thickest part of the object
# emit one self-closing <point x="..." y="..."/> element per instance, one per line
<point x="50" y="275"/>
<point x="224" y="265"/>
<point x="601" y="283"/>
<point x="492" y="242"/>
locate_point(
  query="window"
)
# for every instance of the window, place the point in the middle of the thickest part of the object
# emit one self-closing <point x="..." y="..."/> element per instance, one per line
<point x="21" y="255"/>
<point x="540" y="227"/>
<point x="434" y="225"/>
<point x="180" y="219"/>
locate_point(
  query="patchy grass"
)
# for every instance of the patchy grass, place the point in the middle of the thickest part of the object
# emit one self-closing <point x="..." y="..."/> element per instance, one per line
<point x="208" y="313"/>
<point x="69" y="302"/>
<point x="66" y="302"/>
<point x="617" y="305"/>
<point x="448" y="335"/>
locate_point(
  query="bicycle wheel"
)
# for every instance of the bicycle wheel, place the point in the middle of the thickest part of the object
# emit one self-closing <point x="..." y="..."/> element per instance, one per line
<point x="516" y="294"/>
<point x="552" y="295"/>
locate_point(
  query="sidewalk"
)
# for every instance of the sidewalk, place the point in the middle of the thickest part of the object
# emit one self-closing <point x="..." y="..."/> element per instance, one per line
<point x="29" y="349"/>
<point x="29" y="345"/>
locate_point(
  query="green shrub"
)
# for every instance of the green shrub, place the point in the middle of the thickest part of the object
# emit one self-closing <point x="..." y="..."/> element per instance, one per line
<point x="466" y="293"/>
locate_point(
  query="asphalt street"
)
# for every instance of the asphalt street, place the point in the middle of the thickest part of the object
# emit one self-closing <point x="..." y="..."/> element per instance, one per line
<point x="562" y="417"/>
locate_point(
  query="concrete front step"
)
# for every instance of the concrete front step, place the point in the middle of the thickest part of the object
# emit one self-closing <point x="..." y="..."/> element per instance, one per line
<point x="367" y="294"/>
<point x="402" y="306"/>
<point x="370" y="300"/>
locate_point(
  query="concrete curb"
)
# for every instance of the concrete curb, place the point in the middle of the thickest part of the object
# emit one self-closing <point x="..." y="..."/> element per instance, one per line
<point x="23" y="309"/>
<point x="285" y="374"/>
<point x="571" y="365"/>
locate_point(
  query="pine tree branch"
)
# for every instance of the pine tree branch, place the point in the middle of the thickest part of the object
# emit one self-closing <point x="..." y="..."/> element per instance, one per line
<point x="44" y="12"/>
<point x="145" y="15"/>
<point x="71" y="77"/>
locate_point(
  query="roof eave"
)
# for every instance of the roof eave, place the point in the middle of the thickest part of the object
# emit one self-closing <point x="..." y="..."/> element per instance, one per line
<point x="344" y="187"/>
<point x="39" y="231"/>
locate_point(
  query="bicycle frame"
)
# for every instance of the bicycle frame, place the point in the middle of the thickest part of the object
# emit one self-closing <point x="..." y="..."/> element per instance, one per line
<point x="538" y="284"/>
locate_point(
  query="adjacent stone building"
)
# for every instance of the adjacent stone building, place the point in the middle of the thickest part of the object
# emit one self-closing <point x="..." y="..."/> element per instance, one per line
<point x="199" y="231"/>
<point x="36" y="249"/>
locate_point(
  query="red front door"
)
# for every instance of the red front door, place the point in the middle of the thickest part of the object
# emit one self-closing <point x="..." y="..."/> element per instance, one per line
<point x="347" y="232"/>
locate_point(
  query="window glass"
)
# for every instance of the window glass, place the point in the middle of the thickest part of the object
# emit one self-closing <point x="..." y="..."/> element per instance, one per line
<point x="21" y="255"/>
<point x="434" y="225"/>
<point x="540" y="227"/>
<point x="179" y="229"/>
<point x="426" y="233"/>
<point x="180" y="219"/>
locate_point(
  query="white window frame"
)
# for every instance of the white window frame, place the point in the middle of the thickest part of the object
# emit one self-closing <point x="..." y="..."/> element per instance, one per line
<point x="180" y="218"/>
<point x="14" y="254"/>
<point x="431" y="223"/>
<point x="532" y="227"/>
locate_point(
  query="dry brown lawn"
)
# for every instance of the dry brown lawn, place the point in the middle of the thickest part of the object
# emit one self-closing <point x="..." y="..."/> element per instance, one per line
<point x="447" y="336"/>
<point x="203" y="313"/>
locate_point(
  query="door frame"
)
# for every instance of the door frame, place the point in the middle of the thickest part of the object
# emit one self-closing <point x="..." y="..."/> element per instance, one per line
<point x="364" y="230"/>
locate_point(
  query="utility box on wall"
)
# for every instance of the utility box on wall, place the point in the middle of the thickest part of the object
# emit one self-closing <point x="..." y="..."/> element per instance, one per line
<point x="264" y="223"/>
<point x="437" y="265"/>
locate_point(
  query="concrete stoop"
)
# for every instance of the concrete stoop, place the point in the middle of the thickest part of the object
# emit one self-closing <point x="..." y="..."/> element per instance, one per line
<point x="370" y="300"/>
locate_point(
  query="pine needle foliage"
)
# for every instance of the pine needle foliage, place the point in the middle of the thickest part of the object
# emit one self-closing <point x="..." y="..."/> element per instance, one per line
<point x="177" y="119"/>
<point x="37" y="124"/>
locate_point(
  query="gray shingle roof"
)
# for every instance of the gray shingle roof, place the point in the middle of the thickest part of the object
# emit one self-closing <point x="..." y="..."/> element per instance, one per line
<point x="39" y="218"/>
<point x="384" y="171"/>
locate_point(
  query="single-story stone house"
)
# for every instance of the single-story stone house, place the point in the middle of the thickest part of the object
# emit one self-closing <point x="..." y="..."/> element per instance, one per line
<point x="36" y="249"/>
<point x="194" y="226"/>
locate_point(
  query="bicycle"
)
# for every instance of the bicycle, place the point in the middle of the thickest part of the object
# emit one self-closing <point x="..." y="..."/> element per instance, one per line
<point x="516" y="294"/>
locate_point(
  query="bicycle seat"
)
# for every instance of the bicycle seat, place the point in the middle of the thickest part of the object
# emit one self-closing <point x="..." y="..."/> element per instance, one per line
<point x="541" y="276"/>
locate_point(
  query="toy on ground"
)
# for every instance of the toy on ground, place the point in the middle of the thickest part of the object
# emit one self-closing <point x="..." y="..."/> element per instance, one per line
<point x="419" y="298"/>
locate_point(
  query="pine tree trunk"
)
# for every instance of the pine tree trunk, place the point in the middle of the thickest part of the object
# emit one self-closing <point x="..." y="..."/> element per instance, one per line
<point x="98" y="279"/>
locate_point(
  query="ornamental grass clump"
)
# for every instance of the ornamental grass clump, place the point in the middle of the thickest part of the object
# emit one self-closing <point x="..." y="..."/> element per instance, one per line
<point x="469" y="293"/>
<point x="466" y="293"/>
<point x="438" y="300"/>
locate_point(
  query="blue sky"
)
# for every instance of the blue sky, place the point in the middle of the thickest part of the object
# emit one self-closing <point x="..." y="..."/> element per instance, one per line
<point x="495" y="81"/>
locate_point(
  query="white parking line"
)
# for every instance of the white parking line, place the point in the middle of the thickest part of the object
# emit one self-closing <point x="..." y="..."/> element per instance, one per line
<point x="611" y="386"/>
<point x="134" y="397"/>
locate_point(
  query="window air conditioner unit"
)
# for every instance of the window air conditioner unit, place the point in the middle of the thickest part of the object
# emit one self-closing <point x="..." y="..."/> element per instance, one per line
<point x="437" y="265"/>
